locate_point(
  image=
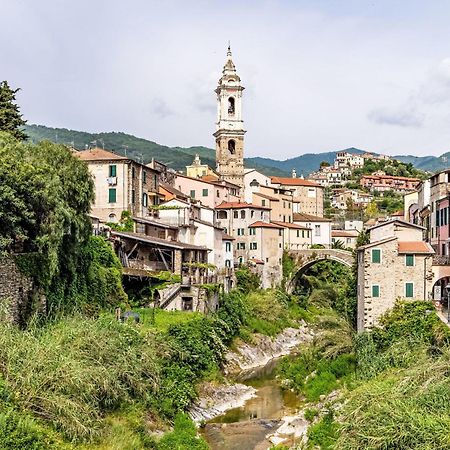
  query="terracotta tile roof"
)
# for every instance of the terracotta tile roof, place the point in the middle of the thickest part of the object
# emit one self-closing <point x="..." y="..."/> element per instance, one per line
<point x="414" y="247"/>
<point x="239" y="205"/>
<point x="290" y="225"/>
<point x="344" y="233"/>
<point x="211" y="178"/>
<point x="98" y="154"/>
<point x="389" y="177"/>
<point x="268" y="197"/>
<point x="173" y="191"/>
<point x="260" y="224"/>
<point x="302" y="217"/>
<point x="397" y="221"/>
<point x="293" y="182"/>
<point x="256" y="261"/>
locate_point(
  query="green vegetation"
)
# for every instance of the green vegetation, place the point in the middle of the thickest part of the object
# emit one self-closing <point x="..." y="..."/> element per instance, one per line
<point x="125" y="223"/>
<point x="136" y="148"/>
<point x="389" y="167"/>
<point x="11" y="120"/>
<point x="184" y="436"/>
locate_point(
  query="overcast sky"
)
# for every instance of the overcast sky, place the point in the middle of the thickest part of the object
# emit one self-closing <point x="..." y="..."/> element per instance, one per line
<point x="320" y="75"/>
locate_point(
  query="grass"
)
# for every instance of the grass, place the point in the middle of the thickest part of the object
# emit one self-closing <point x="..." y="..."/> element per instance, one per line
<point x="70" y="372"/>
<point x="160" y="320"/>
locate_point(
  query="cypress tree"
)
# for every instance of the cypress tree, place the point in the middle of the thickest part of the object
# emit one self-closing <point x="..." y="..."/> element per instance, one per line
<point x="10" y="118"/>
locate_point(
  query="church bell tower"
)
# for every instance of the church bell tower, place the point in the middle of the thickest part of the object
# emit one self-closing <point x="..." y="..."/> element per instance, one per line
<point x="230" y="126"/>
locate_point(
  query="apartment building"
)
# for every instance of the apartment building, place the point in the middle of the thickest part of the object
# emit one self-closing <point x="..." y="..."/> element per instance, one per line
<point x="320" y="228"/>
<point x="381" y="182"/>
<point x="395" y="264"/>
<point x="121" y="184"/>
<point x="307" y="195"/>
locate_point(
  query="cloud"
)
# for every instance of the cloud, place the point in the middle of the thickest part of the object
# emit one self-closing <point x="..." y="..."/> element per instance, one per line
<point x="401" y="118"/>
<point x="161" y="109"/>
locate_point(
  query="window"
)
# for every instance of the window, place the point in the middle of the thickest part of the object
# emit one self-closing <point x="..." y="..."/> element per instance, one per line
<point x="280" y="232"/>
<point x="252" y="213"/>
<point x="242" y="214"/>
<point x="133" y="172"/>
<point x="112" y="195"/>
<point x="241" y="232"/>
<point x="218" y="193"/>
<point x="205" y="192"/>
<point x="298" y="233"/>
<point x="252" y="231"/>
<point x="375" y="290"/>
<point x="144" y="199"/>
<point x="228" y="246"/>
<point x="253" y="245"/>
<point x="409" y="290"/>
<point x="263" y="202"/>
<point x="316" y="230"/>
<point x="113" y="171"/>
<point x="222" y="215"/>
<point x="409" y="260"/>
<point x="376" y="255"/>
<point x="133" y="196"/>
<point x="303" y="233"/>
<point x="236" y="214"/>
<point x="192" y="193"/>
<point x="232" y="146"/>
<point x="227" y="263"/>
<point x="231" y="106"/>
<point x="144" y="176"/>
<point x="155" y="181"/>
<point x="241" y="246"/>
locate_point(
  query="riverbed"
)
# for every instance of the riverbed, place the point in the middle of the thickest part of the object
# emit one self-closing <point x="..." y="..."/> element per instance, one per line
<point x="247" y="427"/>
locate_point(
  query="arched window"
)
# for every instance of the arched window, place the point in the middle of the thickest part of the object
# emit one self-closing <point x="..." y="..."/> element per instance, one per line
<point x="231" y="105"/>
<point x="231" y="146"/>
<point x="112" y="218"/>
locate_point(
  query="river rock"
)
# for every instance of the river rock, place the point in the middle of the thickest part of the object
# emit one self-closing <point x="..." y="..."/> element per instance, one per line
<point x="215" y="399"/>
<point x="264" y="348"/>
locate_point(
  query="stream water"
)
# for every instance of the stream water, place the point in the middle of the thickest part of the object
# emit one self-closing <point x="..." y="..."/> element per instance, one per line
<point x="245" y="428"/>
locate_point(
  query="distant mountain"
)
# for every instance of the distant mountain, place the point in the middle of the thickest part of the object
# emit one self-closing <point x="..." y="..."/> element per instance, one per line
<point x="180" y="157"/>
<point x="134" y="147"/>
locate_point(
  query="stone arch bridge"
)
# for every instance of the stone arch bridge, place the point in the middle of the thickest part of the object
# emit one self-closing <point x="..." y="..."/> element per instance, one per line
<point x="304" y="259"/>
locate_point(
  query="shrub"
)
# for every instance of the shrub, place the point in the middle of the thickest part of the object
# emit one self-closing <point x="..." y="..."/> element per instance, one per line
<point x="324" y="433"/>
<point x="183" y="437"/>
<point x="70" y="372"/>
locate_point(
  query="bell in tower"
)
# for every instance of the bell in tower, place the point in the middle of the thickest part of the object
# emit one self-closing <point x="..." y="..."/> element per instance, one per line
<point x="230" y="126"/>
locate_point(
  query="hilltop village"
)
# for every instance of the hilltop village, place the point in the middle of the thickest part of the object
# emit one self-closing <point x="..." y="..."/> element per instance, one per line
<point x="202" y="224"/>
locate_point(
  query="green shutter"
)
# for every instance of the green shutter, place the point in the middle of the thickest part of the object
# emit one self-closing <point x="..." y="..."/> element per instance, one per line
<point x="205" y="193"/>
<point x="113" y="171"/>
<point x="376" y="255"/>
<point x="112" y="196"/>
<point x="409" y="290"/>
<point x="410" y="260"/>
<point x="375" y="290"/>
<point x="192" y="194"/>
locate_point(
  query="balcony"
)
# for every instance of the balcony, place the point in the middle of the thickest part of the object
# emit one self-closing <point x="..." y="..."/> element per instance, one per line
<point x="441" y="260"/>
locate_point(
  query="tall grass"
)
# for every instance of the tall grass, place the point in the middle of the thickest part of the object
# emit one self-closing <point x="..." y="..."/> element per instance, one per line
<point x="401" y="409"/>
<point x="72" y="371"/>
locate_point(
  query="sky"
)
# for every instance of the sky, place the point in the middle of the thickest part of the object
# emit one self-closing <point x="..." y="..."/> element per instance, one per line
<point x="319" y="75"/>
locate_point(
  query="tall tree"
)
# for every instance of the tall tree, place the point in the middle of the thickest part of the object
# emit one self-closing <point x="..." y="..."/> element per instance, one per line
<point x="10" y="118"/>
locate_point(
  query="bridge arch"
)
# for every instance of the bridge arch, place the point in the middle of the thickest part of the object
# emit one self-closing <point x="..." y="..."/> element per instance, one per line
<point x="304" y="259"/>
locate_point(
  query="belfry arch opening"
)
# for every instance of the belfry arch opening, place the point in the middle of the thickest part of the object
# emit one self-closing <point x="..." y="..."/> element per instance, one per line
<point x="232" y="146"/>
<point x="231" y="106"/>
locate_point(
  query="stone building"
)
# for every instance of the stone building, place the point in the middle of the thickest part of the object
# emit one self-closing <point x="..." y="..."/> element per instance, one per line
<point x="396" y="264"/>
<point x="307" y="195"/>
<point x="121" y="184"/>
<point x="230" y="131"/>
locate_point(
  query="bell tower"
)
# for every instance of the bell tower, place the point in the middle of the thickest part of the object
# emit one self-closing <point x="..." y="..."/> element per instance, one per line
<point x="230" y="126"/>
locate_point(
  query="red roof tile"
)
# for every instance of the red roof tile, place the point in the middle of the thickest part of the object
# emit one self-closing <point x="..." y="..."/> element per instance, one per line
<point x="260" y="224"/>
<point x="414" y="247"/>
<point x="302" y="217"/>
<point x="290" y="225"/>
<point x="293" y="182"/>
<point x="239" y="205"/>
<point x="98" y="154"/>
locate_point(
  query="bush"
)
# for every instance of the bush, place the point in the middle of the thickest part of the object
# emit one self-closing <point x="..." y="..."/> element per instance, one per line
<point x="73" y="371"/>
<point x="247" y="281"/>
<point x="324" y="433"/>
<point x="183" y="437"/>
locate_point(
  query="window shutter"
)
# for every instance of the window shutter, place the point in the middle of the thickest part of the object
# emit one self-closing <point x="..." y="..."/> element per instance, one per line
<point x="376" y="255"/>
<point x="409" y="290"/>
<point x="112" y="196"/>
<point x="375" y="290"/>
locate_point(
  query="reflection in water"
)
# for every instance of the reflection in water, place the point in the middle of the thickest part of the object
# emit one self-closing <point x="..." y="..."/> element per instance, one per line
<point x="271" y="402"/>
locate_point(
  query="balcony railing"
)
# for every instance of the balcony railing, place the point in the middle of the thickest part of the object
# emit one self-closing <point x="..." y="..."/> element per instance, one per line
<point x="441" y="260"/>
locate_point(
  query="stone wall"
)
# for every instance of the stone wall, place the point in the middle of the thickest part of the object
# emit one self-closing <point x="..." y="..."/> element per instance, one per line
<point x="16" y="291"/>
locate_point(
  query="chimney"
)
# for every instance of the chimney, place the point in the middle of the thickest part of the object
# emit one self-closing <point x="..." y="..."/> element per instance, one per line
<point x="294" y="173"/>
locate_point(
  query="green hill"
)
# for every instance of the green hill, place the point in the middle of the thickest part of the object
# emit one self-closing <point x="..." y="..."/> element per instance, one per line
<point x="136" y="148"/>
<point x="179" y="157"/>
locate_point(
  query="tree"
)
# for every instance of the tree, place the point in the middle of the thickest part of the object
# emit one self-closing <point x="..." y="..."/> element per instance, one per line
<point x="10" y="118"/>
<point x="45" y="198"/>
<point x="372" y="209"/>
<point x="324" y="164"/>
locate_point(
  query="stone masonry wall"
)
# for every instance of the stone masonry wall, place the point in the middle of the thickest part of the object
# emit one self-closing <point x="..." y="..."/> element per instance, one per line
<point x="15" y="290"/>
